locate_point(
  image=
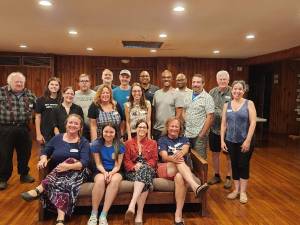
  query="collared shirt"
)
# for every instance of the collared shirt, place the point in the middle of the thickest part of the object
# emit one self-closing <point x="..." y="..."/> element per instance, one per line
<point x="184" y="93"/>
<point x="16" y="109"/>
<point x="150" y="91"/>
<point x="196" y="111"/>
<point x="220" y="98"/>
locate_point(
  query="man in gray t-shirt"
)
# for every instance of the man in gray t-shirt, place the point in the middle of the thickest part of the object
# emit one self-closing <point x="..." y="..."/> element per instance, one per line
<point x="166" y="103"/>
<point x="84" y="98"/>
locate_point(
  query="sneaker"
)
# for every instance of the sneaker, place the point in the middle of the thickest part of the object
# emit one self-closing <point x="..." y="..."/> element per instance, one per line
<point x="92" y="220"/>
<point x="26" y="179"/>
<point x="233" y="195"/>
<point x="228" y="183"/>
<point x="243" y="198"/>
<point x="3" y="185"/>
<point x="214" y="180"/>
<point x="102" y="221"/>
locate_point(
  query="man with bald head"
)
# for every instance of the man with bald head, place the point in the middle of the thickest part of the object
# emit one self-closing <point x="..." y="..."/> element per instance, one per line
<point x="221" y="95"/>
<point x="149" y="89"/>
<point x="181" y="84"/>
<point x="16" y="109"/>
<point x="107" y="78"/>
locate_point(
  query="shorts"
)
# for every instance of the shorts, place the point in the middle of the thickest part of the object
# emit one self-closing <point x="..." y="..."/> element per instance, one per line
<point x="162" y="171"/>
<point x="214" y="142"/>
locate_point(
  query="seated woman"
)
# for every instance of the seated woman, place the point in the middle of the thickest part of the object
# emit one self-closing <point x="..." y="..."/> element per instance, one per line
<point x="140" y="162"/>
<point x="172" y="149"/>
<point x="108" y="155"/>
<point x="137" y="108"/>
<point x="70" y="156"/>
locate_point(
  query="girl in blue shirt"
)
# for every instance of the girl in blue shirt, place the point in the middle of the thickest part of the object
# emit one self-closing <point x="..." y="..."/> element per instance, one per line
<point x="108" y="155"/>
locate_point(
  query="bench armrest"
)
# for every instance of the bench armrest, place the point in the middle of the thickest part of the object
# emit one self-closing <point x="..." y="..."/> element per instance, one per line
<point x="200" y="166"/>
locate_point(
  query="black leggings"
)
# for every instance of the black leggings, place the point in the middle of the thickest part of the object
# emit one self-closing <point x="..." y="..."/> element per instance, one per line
<point x="240" y="161"/>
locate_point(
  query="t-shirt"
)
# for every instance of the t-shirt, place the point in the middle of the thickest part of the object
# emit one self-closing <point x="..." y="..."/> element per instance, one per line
<point x="45" y="107"/>
<point x="171" y="145"/>
<point x="60" y="150"/>
<point x="149" y="93"/>
<point x="84" y="100"/>
<point x="107" y="154"/>
<point x="121" y="96"/>
<point x="165" y="103"/>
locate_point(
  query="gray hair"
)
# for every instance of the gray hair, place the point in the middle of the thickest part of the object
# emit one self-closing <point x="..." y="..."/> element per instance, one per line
<point x="12" y="75"/>
<point x="222" y="72"/>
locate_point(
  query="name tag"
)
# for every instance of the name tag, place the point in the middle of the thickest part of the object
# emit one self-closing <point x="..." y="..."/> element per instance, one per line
<point x="74" y="150"/>
<point x="227" y="97"/>
<point x="31" y="105"/>
<point x="229" y="110"/>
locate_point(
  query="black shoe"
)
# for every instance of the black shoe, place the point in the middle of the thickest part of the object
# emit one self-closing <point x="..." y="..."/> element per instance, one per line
<point x="200" y="189"/>
<point x="28" y="197"/>
<point x="179" y="223"/>
<point x="3" y="185"/>
<point x="26" y="179"/>
<point x="60" y="221"/>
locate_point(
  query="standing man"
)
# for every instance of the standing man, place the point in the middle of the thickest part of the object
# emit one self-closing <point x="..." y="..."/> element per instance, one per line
<point x="221" y="95"/>
<point x="167" y="102"/>
<point x="107" y="78"/>
<point x="149" y="89"/>
<point x="84" y="98"/>
<point x="199" y="114"/>
<point x="16" y="108"/>
<point x="181" y="84"/>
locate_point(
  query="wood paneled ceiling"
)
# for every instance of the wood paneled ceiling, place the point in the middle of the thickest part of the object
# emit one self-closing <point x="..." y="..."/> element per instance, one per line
<point x="205" y="26"/>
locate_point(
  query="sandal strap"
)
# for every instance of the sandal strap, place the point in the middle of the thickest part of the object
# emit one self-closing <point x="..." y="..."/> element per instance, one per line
<point x="60" y="221"/>
<point x="37" y="191"/>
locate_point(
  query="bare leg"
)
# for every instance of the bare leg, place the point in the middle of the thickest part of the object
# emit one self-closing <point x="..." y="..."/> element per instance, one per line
<point x="137" y="190"/>
<point x="140" y="206"/>
<point x="180" y="192"/>
<point x="186" y="173"/>
<point x="60" y="215"/>
<point x="243" y="185"/>
<point x="98" y="191"/>
<point x="111" y="191"/>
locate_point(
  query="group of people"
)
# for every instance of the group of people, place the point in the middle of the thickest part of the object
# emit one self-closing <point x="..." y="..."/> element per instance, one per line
<point x="159" y="126"/>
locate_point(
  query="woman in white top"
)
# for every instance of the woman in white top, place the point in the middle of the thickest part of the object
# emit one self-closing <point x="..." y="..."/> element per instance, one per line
<point x="137" y="108"/>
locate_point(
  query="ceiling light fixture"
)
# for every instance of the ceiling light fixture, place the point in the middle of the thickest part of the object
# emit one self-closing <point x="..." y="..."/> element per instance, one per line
<point x="178" y="9"/>
<point x="153" y="50"/>
<point x="250" y="36"/>
<point x="23" y="46"/>
<point x="73" y="32"/>
<point x="45" y="3"/>
<point x="163" y="35"/>
<point x="89" y="49"/>
<point x="216" y="51"/>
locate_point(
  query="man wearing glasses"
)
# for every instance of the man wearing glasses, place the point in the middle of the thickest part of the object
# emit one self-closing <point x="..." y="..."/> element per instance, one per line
<point x="149" y="89"/>
<point x="84" y="98"/>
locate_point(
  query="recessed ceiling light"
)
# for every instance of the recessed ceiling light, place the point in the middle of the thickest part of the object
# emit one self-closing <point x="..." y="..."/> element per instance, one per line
<point x="216" y="51"/>
<point x="89" y="49"/>
<point x="250" y="36"/>
<point x="163" y="35"/>
<point x="23" y="46"/>
<point x="73" y="32"/>
<point x="45" y="3"/>
<point x="178" y="9"/>
<point x="153" y="50"/>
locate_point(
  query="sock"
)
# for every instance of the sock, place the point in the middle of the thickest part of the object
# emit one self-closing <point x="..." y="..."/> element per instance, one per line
<point x="103" y="214"/>
<point x="228" y="177"/>
<point x="217" y="175"/>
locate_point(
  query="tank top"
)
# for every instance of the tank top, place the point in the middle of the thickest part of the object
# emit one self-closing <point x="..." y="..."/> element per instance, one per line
<point x="237" y="123"/>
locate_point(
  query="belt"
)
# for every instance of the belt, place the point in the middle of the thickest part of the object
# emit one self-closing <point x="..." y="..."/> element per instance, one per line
<point x="13" y="124"/>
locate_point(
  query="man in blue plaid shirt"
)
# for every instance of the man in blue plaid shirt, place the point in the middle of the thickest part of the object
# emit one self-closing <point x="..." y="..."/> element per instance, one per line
<point x="16" y="108"/>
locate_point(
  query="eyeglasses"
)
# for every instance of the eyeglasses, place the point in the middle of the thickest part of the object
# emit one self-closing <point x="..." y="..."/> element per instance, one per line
<point x="142" y="127"/>
<point x="84" y="81"/>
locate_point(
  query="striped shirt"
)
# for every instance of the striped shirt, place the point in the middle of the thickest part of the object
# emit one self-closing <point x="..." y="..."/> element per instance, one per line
<point x="16" y="109"/>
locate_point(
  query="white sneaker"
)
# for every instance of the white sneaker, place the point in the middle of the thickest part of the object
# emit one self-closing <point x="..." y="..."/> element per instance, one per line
<point x="103" y="221"/>
<point x="93" y="220"/>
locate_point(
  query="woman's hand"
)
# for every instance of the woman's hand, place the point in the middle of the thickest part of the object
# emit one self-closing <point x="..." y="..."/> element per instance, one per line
<point x="40" y="139"/>
<point x="178" y="157"/>
<point x="224" y="147"/>
<point x="62" y="167"/>
<point x="108" y="178"/>
<point x="42" y="163"/>
<point x="137" y="166"/>
<point x="245" y="146"/>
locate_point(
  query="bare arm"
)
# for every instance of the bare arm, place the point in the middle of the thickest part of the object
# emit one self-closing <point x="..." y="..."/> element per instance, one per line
<point x="39" y="136"/>
<point x="223" y="127"/>
<point x="149" y="120"/>
<point x="208" y="122"/>
<point x="98" y="163"/>
<point x="178" y="112"/>
<point x="118" y="164"/>
<point x="127" y="117"/>
<point x="93" y="129"/>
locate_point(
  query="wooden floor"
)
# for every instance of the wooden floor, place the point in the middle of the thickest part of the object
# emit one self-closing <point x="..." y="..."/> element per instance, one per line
<point x="274" y="195"/>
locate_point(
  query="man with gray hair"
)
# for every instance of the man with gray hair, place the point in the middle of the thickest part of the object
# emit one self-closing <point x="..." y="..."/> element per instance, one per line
<point x="221" y="95"/>
<point x="107" y="78"/>
<point x="16" y="108"/>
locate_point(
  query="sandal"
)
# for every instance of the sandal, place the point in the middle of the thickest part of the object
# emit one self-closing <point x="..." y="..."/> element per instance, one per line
<point x="201" y="188"/>
<point x="28" y="197"/>
<point x="129" y="216"/>
<point x="60" y="221"/>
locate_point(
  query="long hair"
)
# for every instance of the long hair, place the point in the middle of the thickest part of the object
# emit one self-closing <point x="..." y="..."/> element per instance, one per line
<point x="47" y="91"/>
<point x="81" y="122"/>
<point x="97" y="98"/>
<point x="171" y="119"/>
<point x="142" y="102"/>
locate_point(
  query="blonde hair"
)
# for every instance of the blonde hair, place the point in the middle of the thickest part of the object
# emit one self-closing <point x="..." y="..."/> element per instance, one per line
<point x="97" y="99"/>
<point x="171" y="119"/>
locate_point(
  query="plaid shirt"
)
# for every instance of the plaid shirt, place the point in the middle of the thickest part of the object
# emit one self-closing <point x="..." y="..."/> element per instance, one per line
<point x="16" y="109"/>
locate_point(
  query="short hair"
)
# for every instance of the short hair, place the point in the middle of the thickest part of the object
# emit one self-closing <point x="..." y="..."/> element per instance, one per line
<point x="167" y="71"/>
<point x="171" y="119"/>
<point x="108" y="70"/>
<point x="67" y="88"/>
<point x="242" y="82"/>
<point x="12" y="75"/>
<point x="84" y="75"/>
<point x="144" y="71"/>
<point x="222" y="72"/>
<point x="141" y="121"/>
<point x="199" y="76"/>
<point x="181" y="74"/>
